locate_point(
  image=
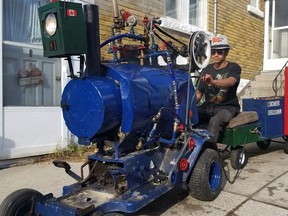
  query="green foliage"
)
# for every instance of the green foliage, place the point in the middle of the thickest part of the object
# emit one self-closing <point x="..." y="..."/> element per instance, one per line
<point x="73" y="151"/>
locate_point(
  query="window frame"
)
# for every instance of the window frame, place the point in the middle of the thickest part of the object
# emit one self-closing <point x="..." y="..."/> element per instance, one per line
<point x="254" y="9"/>
<point x="183" y="13"/>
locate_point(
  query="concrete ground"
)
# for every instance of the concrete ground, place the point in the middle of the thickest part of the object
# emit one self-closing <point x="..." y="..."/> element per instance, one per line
<point x="261" y="189"/>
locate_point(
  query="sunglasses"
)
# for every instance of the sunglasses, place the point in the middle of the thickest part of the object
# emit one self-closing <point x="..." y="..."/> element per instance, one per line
<point x="219" y="52"/>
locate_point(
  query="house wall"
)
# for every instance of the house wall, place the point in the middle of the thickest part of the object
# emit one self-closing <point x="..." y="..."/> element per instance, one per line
<point x="152" y="8"/>
<point x="245" y="33"/>
<point x="244" y="30"/>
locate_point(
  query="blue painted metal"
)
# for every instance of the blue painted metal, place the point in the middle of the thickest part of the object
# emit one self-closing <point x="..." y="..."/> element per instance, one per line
<point x="271" y="114"/>
<point x="120" y="103"/>
<point x="138" y="168"/>
<point x="91" y="106"/>
<point x="117" y="37"/>
<point x="192" y="155"/>
<point x="127" y="97"/>
<point x="214" y="175"/>
<point x="138" y="94"/>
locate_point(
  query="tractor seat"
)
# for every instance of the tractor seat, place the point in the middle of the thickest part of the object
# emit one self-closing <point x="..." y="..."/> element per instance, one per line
<point x="243" y="118"/>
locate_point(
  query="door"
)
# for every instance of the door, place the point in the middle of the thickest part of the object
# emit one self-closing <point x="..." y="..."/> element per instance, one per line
<point x="31" y="119"/>
<point x="276" y="34"/>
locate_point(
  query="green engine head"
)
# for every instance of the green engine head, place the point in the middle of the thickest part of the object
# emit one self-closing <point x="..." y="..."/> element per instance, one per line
<point x="63" y="29"/>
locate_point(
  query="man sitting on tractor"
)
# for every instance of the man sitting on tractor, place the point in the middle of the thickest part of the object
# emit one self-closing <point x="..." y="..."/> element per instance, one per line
<point x="218" y="84"/>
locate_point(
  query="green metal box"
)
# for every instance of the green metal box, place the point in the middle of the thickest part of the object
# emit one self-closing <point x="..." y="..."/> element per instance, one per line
<point x="69" y="32"/>
<point x="241" y="135"/>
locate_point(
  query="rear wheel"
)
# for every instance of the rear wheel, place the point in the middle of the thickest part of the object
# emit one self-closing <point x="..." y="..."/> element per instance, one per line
<point x="238" y="158"/>
<point x="264" y="144"/>
<point x="206" y="178"/>
<point x="18" y="203"/>
<point x="113" y="214"/>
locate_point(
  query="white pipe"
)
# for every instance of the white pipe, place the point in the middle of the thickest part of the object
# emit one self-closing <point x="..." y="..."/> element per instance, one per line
<point x="215" y="16"/>
<point x="115" y="8"/>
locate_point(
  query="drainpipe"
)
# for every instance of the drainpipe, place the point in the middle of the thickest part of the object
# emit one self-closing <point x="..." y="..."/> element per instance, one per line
<point x="215" y="16"/>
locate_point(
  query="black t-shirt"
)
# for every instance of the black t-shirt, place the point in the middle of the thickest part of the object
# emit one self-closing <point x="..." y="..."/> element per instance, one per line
<point x="220" y="96"/>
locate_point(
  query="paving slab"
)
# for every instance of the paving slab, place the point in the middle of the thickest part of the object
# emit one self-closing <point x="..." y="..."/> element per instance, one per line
<point x="222" y="206"/>
<point x="44" y="177"/>
<point x="261" y="188"/>
<point x="252" y="208"/>
<point x="276" y="192"/>
<point x="263" y="167"/>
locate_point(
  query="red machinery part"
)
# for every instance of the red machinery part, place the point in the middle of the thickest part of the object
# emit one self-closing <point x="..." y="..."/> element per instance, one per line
<point x="184" y="164"/>
<point x="286" y="102"/>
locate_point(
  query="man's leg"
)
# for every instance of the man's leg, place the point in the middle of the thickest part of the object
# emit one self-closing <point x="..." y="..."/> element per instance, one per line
<point x="203" y="116"/>
<point x="220" y="119"/>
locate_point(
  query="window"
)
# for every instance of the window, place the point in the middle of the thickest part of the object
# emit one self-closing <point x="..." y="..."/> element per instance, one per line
<point x="192" y="12"/>
<point x="21" y="21"/>
<point x="254" y="3"/>
<point x="278" y="26"/>
<point x="29" y="79"/>
<point x="254" y="9"/>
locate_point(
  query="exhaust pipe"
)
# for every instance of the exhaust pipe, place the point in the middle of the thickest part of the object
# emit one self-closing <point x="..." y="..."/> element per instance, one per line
<point x="93" y="55"/>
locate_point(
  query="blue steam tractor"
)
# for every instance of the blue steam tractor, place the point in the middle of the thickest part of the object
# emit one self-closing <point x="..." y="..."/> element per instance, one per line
<point x="141" y="115"/>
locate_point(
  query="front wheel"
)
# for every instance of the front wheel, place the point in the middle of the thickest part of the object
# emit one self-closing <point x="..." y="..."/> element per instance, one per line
<point x="206" y="178"/>
<point x="19" y="203"/>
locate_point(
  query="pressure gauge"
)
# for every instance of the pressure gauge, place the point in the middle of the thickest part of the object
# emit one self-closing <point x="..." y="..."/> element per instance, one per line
<point x="132" y="20"/>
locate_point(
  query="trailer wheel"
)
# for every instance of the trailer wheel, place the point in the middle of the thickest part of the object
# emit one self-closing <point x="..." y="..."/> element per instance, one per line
<point x="206" y="178"/>
<point x="263" y="144"/>
<point x="238" y="158"/>
<point x="286" y="147"/>
<point x="18" y="203"/>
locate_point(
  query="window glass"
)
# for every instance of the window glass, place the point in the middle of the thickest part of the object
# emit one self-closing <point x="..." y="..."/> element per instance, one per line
<point x="171" y="9"/>
<point x="186" y="11"/>
<point x="21" y="22"/>
<point x="278" y="27"/>
<point x="194" y="13"/>
<point x="281" y="13"/>
<point x="254" y="3"/>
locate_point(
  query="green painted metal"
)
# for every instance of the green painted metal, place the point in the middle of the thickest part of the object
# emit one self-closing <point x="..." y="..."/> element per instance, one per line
<point x="241" y="135"/>
<point x="68" y="40"/>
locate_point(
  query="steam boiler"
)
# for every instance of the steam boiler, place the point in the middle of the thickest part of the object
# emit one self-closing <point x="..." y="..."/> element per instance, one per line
<point x="140" y="115"/>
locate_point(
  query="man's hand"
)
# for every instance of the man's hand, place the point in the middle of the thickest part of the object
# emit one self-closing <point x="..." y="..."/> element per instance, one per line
<point x="224" y="83"/>
<point x="207" y="78"/>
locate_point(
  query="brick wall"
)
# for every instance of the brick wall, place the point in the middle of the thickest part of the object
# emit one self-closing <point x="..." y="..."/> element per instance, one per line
<point x="139" y="8"/>
<point x="245" y="33"/>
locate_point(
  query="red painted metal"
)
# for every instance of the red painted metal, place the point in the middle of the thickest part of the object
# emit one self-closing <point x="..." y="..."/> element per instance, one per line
<point x="286" y="102"/>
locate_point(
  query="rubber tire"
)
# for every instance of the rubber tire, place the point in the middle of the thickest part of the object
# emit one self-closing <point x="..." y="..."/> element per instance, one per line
<point x="286" y="147"/>
<point x="113" y="214"/>
<point x="204" y="185"/>
<point x="18" y="203"/>
<point x="238" y="158"/>
<point x="264" y="144"/>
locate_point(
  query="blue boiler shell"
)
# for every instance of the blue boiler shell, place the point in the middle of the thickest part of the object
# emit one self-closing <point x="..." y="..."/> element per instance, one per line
<point x="91" y="106"/>
<point x="124" y="98"/>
